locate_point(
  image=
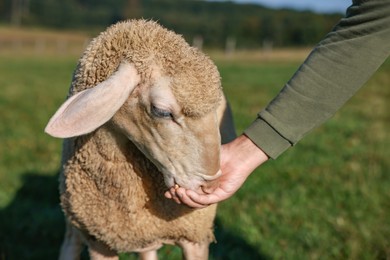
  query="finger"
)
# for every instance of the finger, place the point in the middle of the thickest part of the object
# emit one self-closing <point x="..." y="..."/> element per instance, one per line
<point x="168" y="195"/>
<point x="210" y="187"/>
<point x="172" y="191"/>
<point x="177" y="200"/>
<point x="205" y="199"/>
<point x="187" y="200"/>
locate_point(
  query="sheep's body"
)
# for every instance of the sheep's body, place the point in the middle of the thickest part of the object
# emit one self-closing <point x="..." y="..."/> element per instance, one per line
<point x="120" y="201"/>
<point x="111" y="192"/>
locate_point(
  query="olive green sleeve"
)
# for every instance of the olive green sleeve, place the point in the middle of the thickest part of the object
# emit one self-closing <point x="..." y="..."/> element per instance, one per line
<point x="336" y="68"/>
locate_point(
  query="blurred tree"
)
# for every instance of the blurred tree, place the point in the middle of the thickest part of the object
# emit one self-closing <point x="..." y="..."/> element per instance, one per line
<point x="132" y="9"/>
<point x="249" y="24"/>
<point x="19" y="8"/>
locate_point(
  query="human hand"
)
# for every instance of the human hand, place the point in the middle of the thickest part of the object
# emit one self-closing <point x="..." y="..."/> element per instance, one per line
<point x="238" y="160"/>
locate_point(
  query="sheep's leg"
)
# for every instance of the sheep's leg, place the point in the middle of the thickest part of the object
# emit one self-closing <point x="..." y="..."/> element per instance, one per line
<point x="99" y="251"/>
<point x="194" y="251"/>
<point x="73" y="244"/>
<point x="148" y="255"/>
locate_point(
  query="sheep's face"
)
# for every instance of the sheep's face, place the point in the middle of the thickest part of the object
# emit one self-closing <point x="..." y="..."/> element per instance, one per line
<point x="185" y="149"/>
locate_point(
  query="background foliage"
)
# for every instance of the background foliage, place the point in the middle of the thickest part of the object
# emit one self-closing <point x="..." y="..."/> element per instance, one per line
<point x="248" y="24"/>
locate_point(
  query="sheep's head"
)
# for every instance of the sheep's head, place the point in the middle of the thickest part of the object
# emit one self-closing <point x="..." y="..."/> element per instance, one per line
<point x="154" y="89"/>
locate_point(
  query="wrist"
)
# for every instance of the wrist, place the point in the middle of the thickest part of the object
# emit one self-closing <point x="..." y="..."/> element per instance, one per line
<point x="254" y="153"/>
<point x="247" y="153"/>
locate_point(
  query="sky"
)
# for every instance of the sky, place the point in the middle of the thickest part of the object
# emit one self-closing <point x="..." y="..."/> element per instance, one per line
<point x="320" y="6"/>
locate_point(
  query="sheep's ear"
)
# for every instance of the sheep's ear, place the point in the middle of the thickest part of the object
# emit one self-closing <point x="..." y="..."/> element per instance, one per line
<point x="87" y="110"/>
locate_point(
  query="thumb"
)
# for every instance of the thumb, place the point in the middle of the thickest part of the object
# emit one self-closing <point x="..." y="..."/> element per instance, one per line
<point x="210" y="186"/>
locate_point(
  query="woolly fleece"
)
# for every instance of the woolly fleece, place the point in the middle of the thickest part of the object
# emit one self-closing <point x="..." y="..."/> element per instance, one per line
<point x="109" y="189"/>
<point x="196" y="83"/>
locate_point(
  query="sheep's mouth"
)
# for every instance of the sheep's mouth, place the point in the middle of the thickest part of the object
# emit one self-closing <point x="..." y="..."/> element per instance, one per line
<point x="176" y="184"/>
<point x="195" y="183"/>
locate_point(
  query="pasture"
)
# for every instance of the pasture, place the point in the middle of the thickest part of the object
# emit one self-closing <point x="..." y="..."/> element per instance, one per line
<point x="326" y="198"/>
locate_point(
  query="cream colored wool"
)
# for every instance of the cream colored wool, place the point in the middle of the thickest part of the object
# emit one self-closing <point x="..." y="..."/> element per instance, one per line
<point x="120" y="201"/>
<point x="146" y="44"/>
<point x="109" y="189"/>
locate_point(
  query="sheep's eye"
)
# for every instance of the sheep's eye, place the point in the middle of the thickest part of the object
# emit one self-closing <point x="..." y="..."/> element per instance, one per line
<point x="162" y="113"/>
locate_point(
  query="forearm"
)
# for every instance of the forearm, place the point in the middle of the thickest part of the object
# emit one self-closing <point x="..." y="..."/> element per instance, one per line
<point x="336" y="68"/>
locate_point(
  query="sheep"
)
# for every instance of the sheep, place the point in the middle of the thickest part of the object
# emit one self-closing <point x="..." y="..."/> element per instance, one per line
<point x="145" y="112"/>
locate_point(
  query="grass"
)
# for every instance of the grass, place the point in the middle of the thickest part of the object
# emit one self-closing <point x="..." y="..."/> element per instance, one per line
<point x="326" y="198"/>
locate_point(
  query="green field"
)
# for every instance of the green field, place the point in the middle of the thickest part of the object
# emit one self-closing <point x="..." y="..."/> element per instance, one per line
<point x="326" y="198"/>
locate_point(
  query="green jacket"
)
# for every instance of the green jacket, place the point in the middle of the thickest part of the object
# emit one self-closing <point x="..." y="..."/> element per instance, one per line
<point x="336" y="68"/>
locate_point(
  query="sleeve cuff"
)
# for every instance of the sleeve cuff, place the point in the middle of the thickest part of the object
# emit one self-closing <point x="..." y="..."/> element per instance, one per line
<point x="267" y="138"/>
